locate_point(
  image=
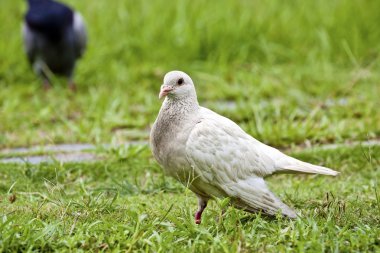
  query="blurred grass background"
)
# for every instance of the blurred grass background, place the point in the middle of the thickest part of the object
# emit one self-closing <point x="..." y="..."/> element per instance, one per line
<point x="313" y="62"/>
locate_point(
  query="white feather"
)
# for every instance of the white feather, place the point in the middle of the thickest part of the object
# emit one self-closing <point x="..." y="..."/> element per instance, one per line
<point x="215" y="157"/>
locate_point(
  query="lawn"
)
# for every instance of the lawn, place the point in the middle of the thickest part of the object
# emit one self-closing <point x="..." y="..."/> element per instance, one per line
<point x="297" y="75"/>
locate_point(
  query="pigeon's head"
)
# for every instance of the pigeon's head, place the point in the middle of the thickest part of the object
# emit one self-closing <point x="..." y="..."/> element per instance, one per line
<point x="177" y="84"/>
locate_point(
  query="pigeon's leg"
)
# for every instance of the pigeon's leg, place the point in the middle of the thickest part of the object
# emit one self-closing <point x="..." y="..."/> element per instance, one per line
<point x="43" y="71"/>
<point x="72" y="85"/>
<point x="46" y="84"/>
<point x="202" y="203"/>
<point x="70" y="79"/>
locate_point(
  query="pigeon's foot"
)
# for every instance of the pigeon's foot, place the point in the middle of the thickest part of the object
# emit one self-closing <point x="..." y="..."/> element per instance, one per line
<point x="72" y="86"/>
<point x="46" y="85"/>
<point x="198" y="217"/>
<point x="201" y="207"/>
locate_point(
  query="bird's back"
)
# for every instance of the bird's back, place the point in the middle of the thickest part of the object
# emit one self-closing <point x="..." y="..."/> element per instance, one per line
<point x="48" y="18"/>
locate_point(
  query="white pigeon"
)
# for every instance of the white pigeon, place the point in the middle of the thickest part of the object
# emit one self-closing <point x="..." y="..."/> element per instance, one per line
<point x="214" y="157"/>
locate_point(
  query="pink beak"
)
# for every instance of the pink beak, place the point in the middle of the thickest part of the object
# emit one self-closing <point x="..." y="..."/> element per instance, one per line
<point x="165" y="90"/>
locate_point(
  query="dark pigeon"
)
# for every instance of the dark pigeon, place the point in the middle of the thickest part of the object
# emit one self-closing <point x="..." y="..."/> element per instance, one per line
<point x="54" y="37"/>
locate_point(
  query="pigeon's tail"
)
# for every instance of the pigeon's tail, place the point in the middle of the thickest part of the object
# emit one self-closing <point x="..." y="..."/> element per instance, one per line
<point x="253" y="195"/>
<point x="287" y="164"/>
<point x="303" y="167"/>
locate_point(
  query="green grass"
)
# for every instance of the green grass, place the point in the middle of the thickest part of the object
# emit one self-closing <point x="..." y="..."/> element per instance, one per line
<point x="298" y="72"/>
<point x="128" y="204"/>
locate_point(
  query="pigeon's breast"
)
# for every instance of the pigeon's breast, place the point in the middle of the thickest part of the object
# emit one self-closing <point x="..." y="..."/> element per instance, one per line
<point x="169" y="151"/>
<point x="168" y="143"/>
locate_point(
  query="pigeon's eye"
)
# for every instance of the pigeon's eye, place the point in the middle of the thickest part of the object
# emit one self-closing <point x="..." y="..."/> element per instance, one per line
<point x="180" y="81"/>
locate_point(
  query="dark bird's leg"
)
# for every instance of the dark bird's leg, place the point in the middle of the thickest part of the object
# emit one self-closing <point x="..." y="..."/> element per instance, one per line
<point x="72" y="86"/>
<point x="202" y="203"/>
<point x="46" y="84"/>
<point x="70" y="78"/>
<point x="43" y="71"/>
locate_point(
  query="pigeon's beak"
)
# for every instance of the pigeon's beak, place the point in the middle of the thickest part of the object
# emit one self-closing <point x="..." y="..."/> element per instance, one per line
<point x="165" y="89"/>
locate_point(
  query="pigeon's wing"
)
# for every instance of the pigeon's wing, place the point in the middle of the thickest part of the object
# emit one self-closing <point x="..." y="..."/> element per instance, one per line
<point x="219" y="142"/>
<point x="225" y="157"/>
<point x="30" y="43"/>
<point x="249" y="156"/>
<point x="80" y="34"/>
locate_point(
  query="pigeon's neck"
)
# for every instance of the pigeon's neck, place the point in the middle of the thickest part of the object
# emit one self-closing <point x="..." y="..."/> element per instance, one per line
<point x="179" y="109"/>
<point x="174" y="114"/>
<point x="173" y="123"/>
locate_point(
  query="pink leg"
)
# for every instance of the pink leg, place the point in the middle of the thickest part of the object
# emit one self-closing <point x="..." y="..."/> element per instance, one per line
<point x="202" y="203"/>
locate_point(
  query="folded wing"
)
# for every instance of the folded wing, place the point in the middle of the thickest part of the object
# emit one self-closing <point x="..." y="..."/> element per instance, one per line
<point x="226" y="157"/>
